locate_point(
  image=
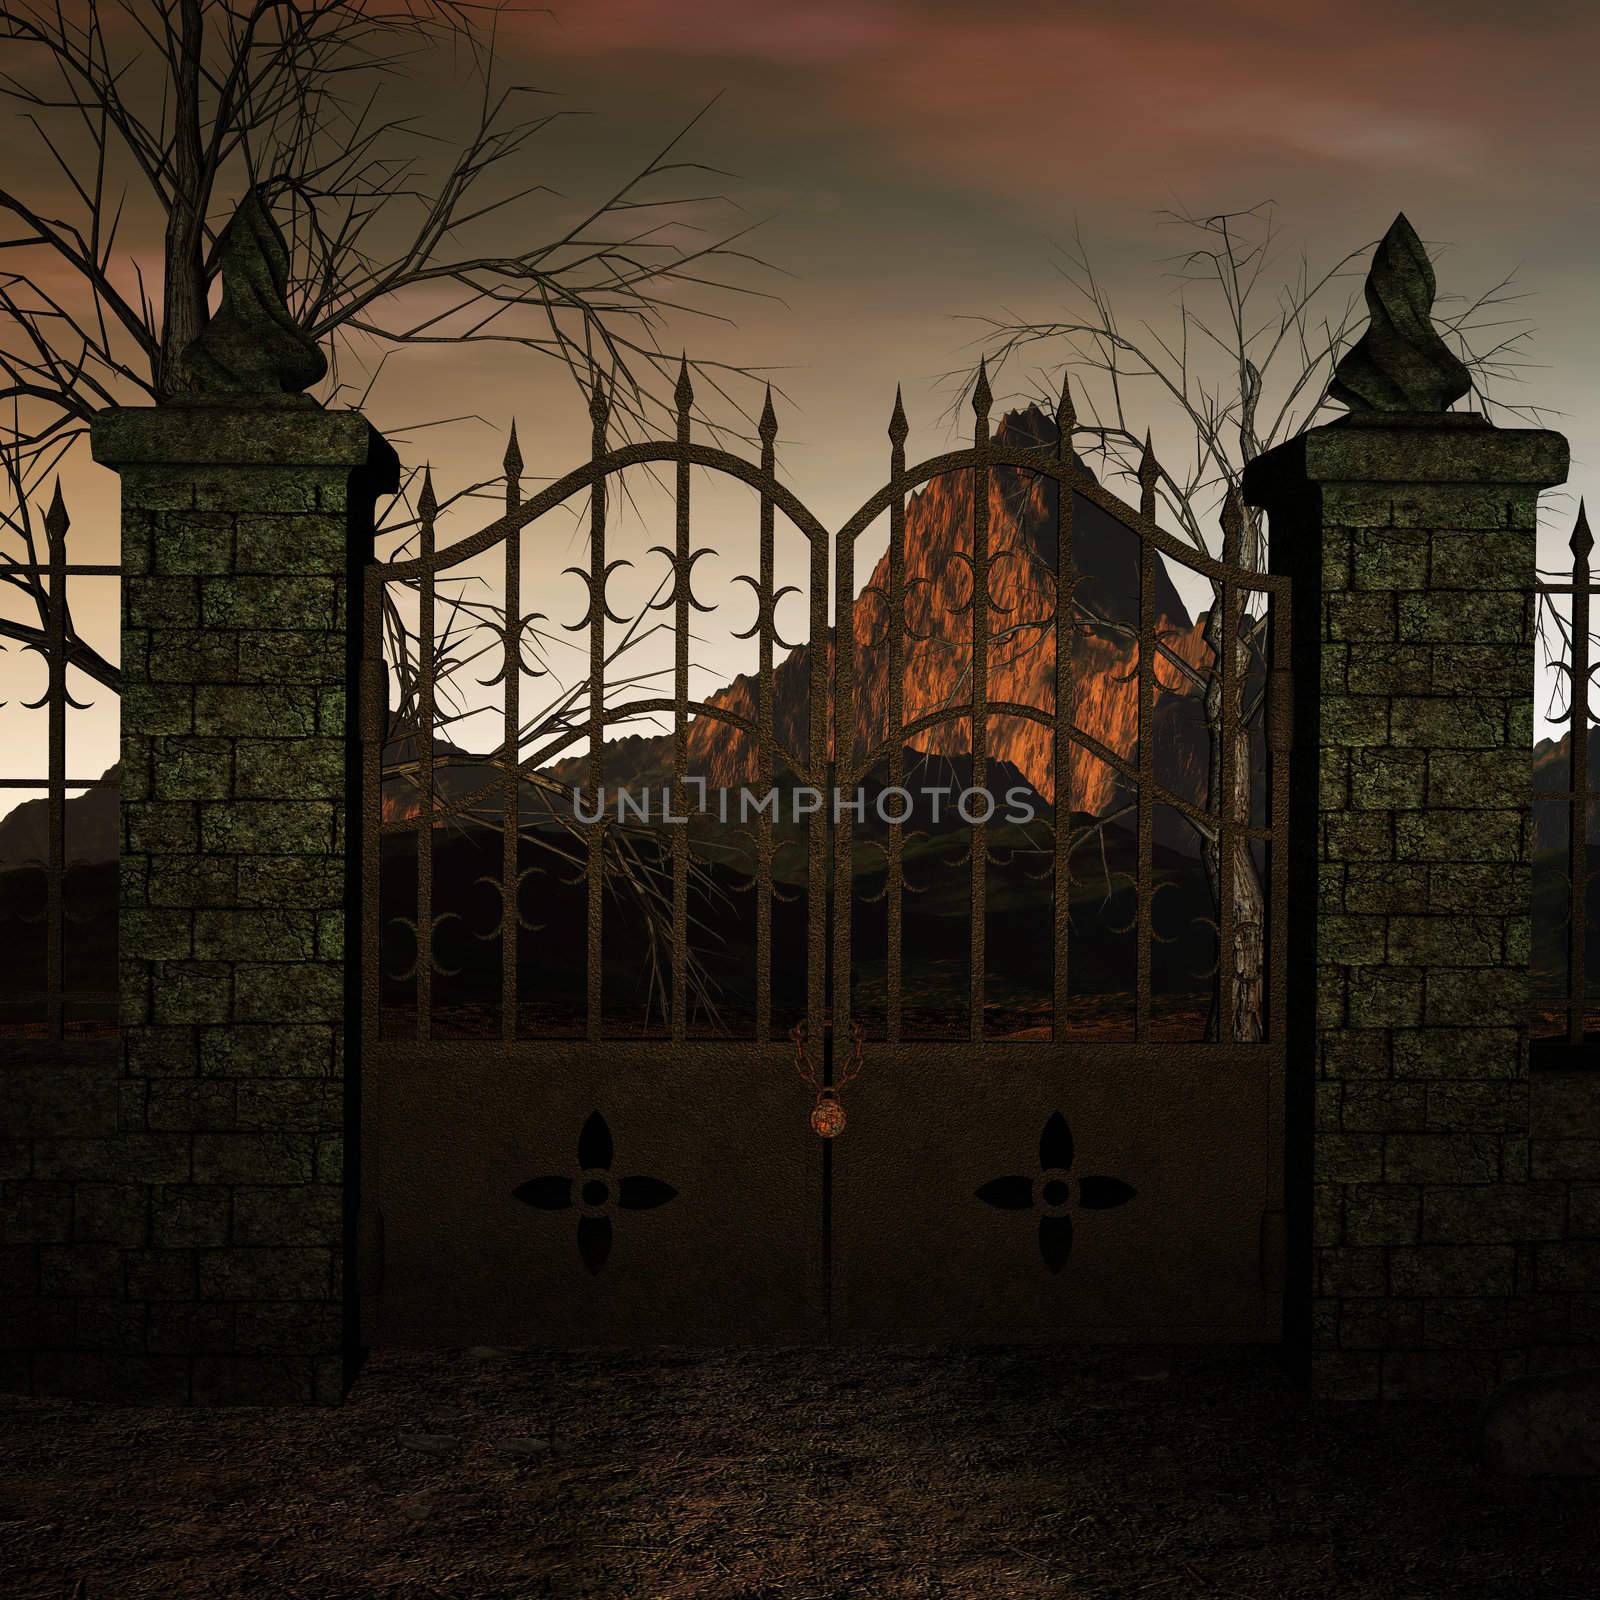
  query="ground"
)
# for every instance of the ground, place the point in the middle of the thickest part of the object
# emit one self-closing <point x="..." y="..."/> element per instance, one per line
<point x="956" y="1473"/>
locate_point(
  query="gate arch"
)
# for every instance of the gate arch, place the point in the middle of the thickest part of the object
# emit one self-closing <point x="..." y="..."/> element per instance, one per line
<point x="832" y="1243"/>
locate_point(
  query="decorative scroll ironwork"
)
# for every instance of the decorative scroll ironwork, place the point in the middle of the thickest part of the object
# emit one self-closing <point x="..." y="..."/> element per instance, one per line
<point x="839" y="755"/>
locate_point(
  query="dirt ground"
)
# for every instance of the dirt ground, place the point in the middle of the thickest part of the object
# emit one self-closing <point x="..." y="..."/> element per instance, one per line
<point x="765" y="1474"/>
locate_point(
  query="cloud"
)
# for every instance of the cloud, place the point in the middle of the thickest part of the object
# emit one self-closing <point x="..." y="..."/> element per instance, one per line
<point x="805" y="33"/>
<point x="1074" y="99"/>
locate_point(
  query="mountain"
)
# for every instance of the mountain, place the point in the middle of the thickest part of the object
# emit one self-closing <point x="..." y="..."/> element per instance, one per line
<point x="938" y="548"/>
<point x="1551" y="770"/>
<point x="938" y="580"/>
<point x="93" y="831"/>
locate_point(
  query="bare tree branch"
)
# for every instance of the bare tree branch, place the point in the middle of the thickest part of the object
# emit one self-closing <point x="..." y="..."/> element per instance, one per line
<point x="1240" y="382"/>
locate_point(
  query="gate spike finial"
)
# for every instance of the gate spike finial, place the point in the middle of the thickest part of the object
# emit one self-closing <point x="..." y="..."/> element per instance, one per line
<point x="1066" y="411"/>
<point x="56" y="520"/>
<point x="769" y="419"/>
<point x="1581" y="542"/>
<point x="599" y="402"/>
<point x="427" y="502"/>
<point x="1148" y="473"/>
<point x="898" y="426"/>
<point x="513" y="457"/>
<point x="684" y="392"/>
<point x="981" y="395"/>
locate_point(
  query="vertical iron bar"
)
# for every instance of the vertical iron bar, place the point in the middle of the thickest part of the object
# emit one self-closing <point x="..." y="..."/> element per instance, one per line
<point x="365" y="1081"/>
<point x="1275" y="941"/>
<point x="374" y="735"/>
<point x="819" y="733"/>
<point x="1147" y="698"/>
<point x="427" y="506"/>
<point x="895" y="889"/>
<point x="825" y="1043"/>
<point x="843" y="777"/>
<point x="981" y="398"/>
<point x="510" y="825"/>
<point x="599" y="410"/>
<point x="684" y="395"/>
<point x="1578" y="781"/>
<point x="55" y="524"/>
<point x="1227" y="821"/>
<point x="1280" y="737"/>
<point x="764" y="735"/>
<point x="1066" y="420"/>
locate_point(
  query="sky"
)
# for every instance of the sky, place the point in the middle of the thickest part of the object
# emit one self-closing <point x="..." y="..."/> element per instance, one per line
<point x="908" y="166"/>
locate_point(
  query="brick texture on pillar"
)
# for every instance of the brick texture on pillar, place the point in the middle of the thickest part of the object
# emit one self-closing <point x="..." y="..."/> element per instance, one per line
<point x="241" y="526"/>
<point x="1435" y="1253"/>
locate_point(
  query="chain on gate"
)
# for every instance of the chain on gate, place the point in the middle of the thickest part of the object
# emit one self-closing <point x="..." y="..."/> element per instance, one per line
<point x="827" y="1116"/>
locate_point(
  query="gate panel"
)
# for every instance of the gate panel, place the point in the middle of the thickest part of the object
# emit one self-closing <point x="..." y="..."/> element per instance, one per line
<point x="1099" y="1157"/>
<point x="708" y="1232"/>
<point x="1064" y="1145"/>
<point x="1154" y="1234"/>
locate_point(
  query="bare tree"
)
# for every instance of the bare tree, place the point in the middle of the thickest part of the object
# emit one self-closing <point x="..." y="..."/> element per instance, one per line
<point x="157" y="115"/>
<point x="1242" y="374"/>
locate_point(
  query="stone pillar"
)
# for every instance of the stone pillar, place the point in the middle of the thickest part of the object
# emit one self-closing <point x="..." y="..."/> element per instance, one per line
<point x="243" y="531"/>
<point x="1410" y="533"/>
<point x="198" y="1224"/>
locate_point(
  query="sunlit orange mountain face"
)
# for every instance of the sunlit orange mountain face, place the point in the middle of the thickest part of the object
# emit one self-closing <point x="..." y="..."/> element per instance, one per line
<point x="936" y="684"/>
<point x="937" y="664"/>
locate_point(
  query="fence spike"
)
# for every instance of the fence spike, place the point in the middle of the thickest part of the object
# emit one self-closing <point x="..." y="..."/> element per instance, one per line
<point x="769" y="419"/>
<point x="982" y="398"/>
<point x="898" y="426"/>
<point x="511" y="465"/>
<point x="56" y="520"/>
<point x="427" y="502"/>
<point x="1582" y="541"/>
<point x="1066" y="411"/>
<point x="599" y="404"/>
<point x="684" y="392"/>
<point x="1148" y="473"/>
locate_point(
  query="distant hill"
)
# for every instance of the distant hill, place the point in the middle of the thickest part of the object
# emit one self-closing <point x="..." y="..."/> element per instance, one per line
<point x="93" y="827"/>
<point x="1552" y="821"/>
<point x="937" y="668"/>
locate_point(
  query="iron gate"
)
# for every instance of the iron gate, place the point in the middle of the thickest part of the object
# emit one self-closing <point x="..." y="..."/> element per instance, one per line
<point x="1019" y="1160"/>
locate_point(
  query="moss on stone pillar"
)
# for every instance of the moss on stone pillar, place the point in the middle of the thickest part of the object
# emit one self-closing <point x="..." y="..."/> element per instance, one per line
<point x="1411" y="539"/>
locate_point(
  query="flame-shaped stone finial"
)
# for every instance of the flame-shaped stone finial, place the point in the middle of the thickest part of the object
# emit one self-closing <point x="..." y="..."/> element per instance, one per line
<point x="253" y="346"/>
<point x="1400" y="363"/>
